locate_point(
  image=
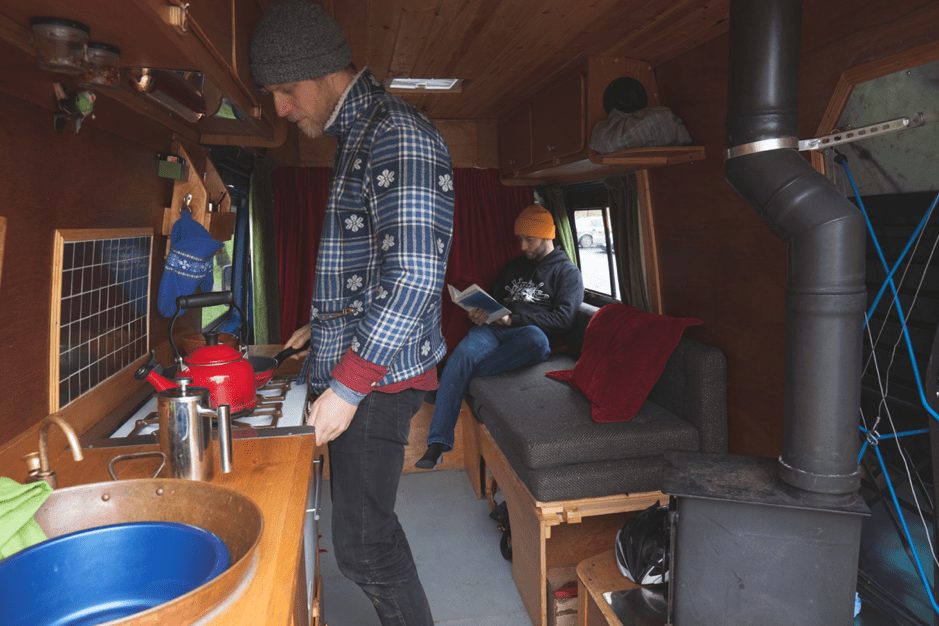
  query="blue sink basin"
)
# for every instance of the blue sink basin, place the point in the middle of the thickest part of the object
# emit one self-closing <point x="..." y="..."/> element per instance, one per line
<point x="106" y="573"/>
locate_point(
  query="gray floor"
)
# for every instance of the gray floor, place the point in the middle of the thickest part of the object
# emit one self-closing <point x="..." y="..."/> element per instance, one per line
<point x="456" y="548"/>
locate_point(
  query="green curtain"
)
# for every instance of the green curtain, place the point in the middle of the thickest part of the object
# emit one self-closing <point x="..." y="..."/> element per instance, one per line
<point x="553" y="200"/>
<point x="624" y="215"/>
<point x="266" y="296"/>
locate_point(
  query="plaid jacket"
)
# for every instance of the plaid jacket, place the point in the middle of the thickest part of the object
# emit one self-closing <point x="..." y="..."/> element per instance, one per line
<point x="375" y="314"/>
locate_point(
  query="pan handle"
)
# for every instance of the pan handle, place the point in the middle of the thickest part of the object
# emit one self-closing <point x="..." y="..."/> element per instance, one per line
<point x="283" y="355"/>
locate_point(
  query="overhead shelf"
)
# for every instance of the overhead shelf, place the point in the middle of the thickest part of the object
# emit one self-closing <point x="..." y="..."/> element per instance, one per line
<point x="601" y="165"/>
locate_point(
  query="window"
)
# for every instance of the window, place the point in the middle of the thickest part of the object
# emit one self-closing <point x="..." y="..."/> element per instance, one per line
<point x="595" y="252"/>
<point x="100" y="307"/>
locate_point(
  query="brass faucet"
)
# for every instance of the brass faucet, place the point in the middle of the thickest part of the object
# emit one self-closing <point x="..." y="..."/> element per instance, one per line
<point x="38" y="462"/>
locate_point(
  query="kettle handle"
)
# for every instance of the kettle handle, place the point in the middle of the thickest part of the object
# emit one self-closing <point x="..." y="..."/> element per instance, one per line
<point x="224" y="437"/>
<point x="199" y="300"/>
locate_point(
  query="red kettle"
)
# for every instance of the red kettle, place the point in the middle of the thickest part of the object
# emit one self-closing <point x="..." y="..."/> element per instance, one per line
<point x="224" y="371"/>
<point x="221" y="369"/>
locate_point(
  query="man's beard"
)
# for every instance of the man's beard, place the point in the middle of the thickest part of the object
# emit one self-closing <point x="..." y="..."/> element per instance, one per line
<point x="310" y="128"/>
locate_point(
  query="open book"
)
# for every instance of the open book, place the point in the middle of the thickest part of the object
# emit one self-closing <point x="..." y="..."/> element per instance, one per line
<point x="475" y="297"/>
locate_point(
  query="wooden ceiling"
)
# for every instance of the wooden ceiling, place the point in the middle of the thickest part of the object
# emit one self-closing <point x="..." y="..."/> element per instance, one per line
<point x="505" y="49"/>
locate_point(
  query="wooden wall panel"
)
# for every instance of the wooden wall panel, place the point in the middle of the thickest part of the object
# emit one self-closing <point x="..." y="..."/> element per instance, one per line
<point x="719" y="260"/>
<point x="49" y="181"/>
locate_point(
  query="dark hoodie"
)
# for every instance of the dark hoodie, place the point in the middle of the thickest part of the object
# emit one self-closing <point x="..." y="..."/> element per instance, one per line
<point x="545" y="293"/>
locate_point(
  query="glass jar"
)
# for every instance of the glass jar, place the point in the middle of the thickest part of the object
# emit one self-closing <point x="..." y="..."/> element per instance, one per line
<point x="60" y="44"/>
<point x="102" y="65"/>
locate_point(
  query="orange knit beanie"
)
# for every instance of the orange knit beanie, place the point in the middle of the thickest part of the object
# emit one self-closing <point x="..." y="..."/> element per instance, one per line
<point x="535" y="221"/>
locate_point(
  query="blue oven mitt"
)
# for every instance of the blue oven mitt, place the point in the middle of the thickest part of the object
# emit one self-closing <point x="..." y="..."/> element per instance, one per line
<point x="189" y="264"/>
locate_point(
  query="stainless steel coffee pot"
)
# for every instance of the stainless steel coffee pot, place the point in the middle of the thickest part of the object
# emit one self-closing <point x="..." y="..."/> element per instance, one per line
<point x="186" y="431"/>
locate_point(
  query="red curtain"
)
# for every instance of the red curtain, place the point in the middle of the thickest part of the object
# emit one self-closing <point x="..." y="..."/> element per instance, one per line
<point x="484" y="215"/>
<point x="483" y="238"/>
<point x="300" y="195"/>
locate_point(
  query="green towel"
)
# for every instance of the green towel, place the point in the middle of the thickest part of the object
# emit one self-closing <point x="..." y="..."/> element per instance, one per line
<point x="18" y="505"/>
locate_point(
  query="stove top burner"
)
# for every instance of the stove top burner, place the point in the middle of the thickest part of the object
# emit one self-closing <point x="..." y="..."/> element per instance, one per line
<point x="266" y="414"/>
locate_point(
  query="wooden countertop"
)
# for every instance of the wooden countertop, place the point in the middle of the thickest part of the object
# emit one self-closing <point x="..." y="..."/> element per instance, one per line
<point x="273" y="472"/>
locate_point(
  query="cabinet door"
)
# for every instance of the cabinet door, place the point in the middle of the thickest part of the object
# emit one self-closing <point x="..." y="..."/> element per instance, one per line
<point x="557" y="119"/>
<point x="246" y="18"/>
<point x="214" y="18"/>
<point x="515" y="139"/>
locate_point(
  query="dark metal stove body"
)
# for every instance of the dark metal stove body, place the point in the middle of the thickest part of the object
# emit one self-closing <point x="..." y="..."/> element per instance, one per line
<point x="760" y="541"/>
<point x="749" y="549"/>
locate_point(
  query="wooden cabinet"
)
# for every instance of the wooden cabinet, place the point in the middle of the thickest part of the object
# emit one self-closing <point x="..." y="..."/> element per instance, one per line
<point x="209" y="37"/>
<point x="545" y="140"/>
<point x="557" y="119"/>
<point x="515" y="139"/>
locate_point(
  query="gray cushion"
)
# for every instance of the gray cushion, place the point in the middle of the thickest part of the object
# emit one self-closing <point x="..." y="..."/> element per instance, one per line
<point x="546" y="423"/>
<point x="593" y="480"/>
<point x="543" y="426"/>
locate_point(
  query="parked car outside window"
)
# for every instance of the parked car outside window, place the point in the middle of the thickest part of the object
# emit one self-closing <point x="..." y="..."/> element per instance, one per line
<point x="590" y="231"/>
<point x="596" y="260"/>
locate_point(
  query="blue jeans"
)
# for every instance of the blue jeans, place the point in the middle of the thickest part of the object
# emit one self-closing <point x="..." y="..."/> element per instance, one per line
<point x="365" y="466"/>
<point x="486" y="351"/>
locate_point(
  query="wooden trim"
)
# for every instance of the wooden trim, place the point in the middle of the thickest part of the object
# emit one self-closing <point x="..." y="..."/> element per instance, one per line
<point x="55" y="298"/>
<point x="140" y="104"/>
<point x="87" y="234"/>
<point x="3" y="237"/>
<point x="869" y="71"/>
<point x="16" y="34"/>
<point x="919" y="55"/>
<point x="55" y="314"/>
<point x="580" y="167"/>
<point x="651" y="157"/>
<point x="595" y="576"/>
<point x="650" y="248"/>
<point x="472" y="458"/>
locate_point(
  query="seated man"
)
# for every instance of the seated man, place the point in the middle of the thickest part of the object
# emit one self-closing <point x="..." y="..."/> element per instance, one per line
<point x="542" y="289"/>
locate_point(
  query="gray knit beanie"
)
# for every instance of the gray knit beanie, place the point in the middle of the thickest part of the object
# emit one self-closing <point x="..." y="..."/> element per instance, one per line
<point x="296" y="40"/>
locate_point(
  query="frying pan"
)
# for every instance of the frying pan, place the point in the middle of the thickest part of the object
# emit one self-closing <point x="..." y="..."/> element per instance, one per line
<point x="264" y="366"/>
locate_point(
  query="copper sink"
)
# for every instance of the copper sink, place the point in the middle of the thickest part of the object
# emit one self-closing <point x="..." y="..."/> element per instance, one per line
<point x="231" y="516"/>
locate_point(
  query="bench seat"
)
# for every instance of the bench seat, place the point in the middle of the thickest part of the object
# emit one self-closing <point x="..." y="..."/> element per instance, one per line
<point x="543" y="427"/>
<point x="568" y="482"/>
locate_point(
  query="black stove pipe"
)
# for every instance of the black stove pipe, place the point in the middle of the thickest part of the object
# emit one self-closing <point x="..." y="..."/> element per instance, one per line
<point x="825" y="299"/>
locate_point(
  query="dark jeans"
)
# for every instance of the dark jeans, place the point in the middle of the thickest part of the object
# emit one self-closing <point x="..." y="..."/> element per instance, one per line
<point x="486" y="351"/>
<point x="365" y="467"/>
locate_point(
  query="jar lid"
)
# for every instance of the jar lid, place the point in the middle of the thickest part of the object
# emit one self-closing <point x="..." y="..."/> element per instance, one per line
<point x="97" y="45"/>
<point x="58" y="21"/>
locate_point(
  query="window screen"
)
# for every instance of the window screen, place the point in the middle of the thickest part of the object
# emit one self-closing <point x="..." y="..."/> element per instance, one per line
<point x="100" y="307"/>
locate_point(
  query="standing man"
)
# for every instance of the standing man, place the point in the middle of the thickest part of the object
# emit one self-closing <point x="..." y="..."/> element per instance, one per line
<point x="374" y="329"/>
<point x="542" y="289"/>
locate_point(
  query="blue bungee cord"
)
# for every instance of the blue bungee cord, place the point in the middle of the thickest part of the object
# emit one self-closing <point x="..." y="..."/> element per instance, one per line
<point x="873" y="437"/>
<point x="893" y="288"/>
<point x="909" y="243"/>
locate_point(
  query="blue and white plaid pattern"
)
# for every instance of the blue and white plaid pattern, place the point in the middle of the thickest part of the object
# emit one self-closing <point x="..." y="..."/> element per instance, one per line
<point x="385" y="240"/>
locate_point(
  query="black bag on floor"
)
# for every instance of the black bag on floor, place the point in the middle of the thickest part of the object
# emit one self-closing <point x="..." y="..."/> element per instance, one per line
<point x="501" y="515"/>
<point x="642" y="546"/>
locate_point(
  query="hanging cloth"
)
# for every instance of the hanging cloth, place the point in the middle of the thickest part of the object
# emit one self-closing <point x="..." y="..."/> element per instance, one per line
<point x="188" y="266"/>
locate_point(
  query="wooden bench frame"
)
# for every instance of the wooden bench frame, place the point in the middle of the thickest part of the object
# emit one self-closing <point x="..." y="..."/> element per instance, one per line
<point x="545" y="535"/>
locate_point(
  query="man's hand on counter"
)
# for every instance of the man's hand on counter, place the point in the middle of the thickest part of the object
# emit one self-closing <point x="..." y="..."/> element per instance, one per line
<point x="330" y="415"/>
<point x="298" y="338"/>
